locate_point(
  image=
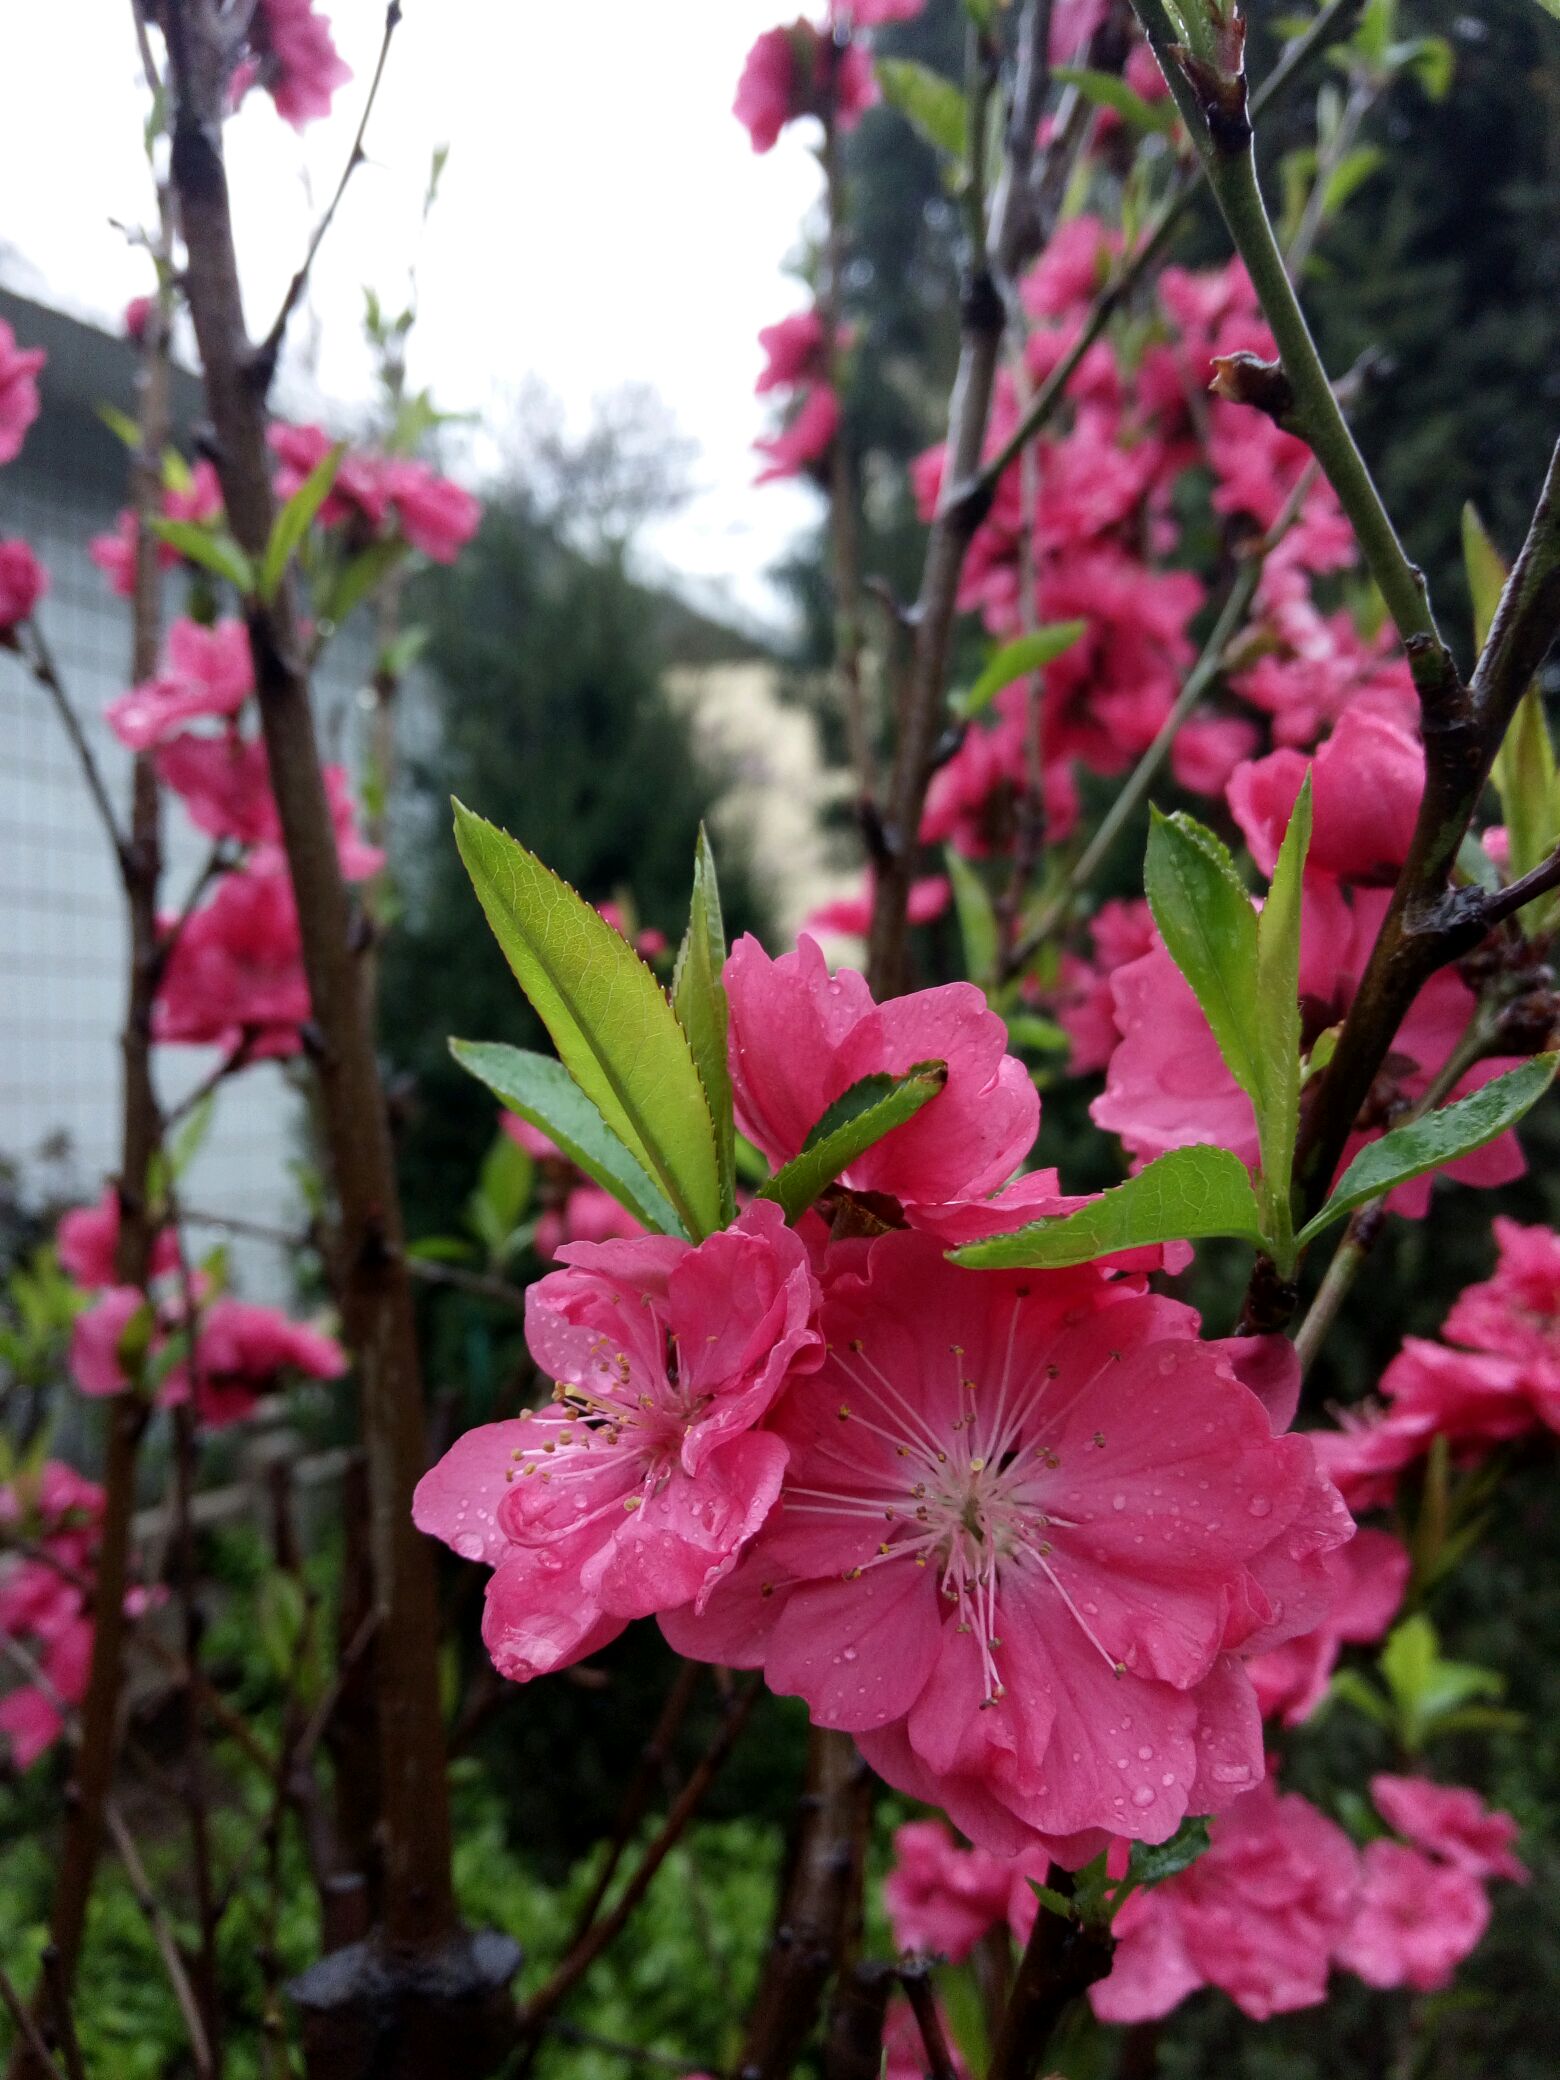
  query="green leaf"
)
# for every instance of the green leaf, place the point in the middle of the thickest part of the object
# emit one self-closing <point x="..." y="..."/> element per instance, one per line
<point x="609" y="1018"/>
<point x="1486" y="570"/>
<point x="933" y="106"/>
<point x="1015" y="660"/>
<point x="699" y="1000"/>
<point x="1179" y="1197"/>
<point x="1107" y="90"/>
<point x="1038" y="1035"/>
<point x="121" y="425"/>
<point x="1207" y="922"/>
<point x="858" y="1117"/>
<point x="1348" y="1686"/>
<point x="398" y="656"/>
<point x="295" y="519"/>
<point x="1439" y="1138"/>
<point x="1524" y="772"/>
<point x="1150" y="1863"/>
<point x="1278" y="1026"/>
<point x="357" y="579"/>
<point x="543" y="1092"/>
<point x="504" y="1184"/>
<point x="281" y="1618"/>
<point x="1432" y="61"/>
<point x="210" y="548"/>
<point x="977" y="919"/>
<point x="1350" y="174"/>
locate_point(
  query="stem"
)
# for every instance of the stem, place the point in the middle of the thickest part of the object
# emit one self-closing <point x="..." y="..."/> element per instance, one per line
<point x="167" y="1946"/>
<point x="844" y="495"/>
<point x="916" y="1980"/>
<point x="1537" y="882"/>
<point x="371" y="1277"/>
<point x="1061" y="1960"/>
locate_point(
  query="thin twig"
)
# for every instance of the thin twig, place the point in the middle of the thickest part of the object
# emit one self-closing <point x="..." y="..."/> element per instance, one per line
<point x="535" y="2012"/>
<point x="916" y="1979"/>
<point x="60" y="2015"/>
<point x="266" y="354"/>
<point x="40" y="661"/>
<point x="163" y="1936"/>
<point x="1062" y="1959"/>
<point x="28" y="2032"/>
<point x="1506" y="902"/>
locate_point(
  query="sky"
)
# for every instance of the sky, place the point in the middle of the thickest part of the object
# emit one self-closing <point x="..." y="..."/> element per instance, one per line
<point x="602" y="219"/>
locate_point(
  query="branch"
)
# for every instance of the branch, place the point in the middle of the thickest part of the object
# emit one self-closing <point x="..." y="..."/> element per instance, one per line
<point x="1537" y="882"/>
<point x="844" y="499"/>
<point x="1062" y="1959"/>
<point x="535" y="2012"/>
<point x="27" y="2030"/>
<point x="916" y="1979"/>
<point x="853" y="2044"/>
<point x="167" y="1946"/>
<point x="269" y="349"/>
<point x="42" y="665"/>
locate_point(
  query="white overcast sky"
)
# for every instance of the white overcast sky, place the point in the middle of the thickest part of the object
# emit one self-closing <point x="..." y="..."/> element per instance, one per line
<point x="602" y="217"/>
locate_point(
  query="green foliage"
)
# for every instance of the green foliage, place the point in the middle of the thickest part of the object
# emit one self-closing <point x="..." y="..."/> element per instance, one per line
<point x="607" y="1015"/>
<point x="1190" y="1192"/>
<point x="932" y="105"/>
<point x="977" y="917"/>
<point x="860" y="1116"/>
<point x="295" y="519"/>
<point x="211" y="547"/>
<point x="1437" y="1139"/>
<point x="1278" y="1024"/>
<point x="699" y="1000"/>
<point x="1025" y="654"/>
<point x="1209" y="927"/>
<point x="542" y="1091"/>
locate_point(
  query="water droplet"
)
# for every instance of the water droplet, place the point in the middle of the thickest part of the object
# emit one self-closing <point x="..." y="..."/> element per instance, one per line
<point x="1231" y="1773"/>
<point x="1118" y="1502"/>
<point x="1168" y="1363"/>
<point x="1259" y="1506"/>
<point x="1145" y="1754"/>
<point x="468" y="1545"/>
<point x="1168" y="1778"/>
<point x="1144" y="1795"/>
<point x="850" y="1653"/>
<point x="1121" y="1762"/>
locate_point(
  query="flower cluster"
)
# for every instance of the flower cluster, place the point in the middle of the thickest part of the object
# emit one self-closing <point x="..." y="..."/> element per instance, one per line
<point x="293" y="56"/>
<point x="1279" y="1899"/>
<point x="1018" y="1534"/>
<point x="23" y="579"/>
<point x="1494" y="1375"/>
<point x="374" y="497"/>
<point x="45" y="1600"/>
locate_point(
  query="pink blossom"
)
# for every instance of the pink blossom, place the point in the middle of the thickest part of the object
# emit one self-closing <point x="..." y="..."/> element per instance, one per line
<point x="235" y="977"/>
<point x="96" y="1336"/>
<point x="243" y="1351"/>
<point x="851" y="916"/>
<point x="1085" y="1010"/>
<point x="1452" y="1823"/>
<point x="800" y="1037"/>
<point x="904" y="2049"/>
<point x="1515" y="1313"/>
<point x="873" y="14"/>
<point x="225" y="785"/>
<point x="795" y="352"/>
<point x="435" y="515"/>
<point x="1320" y="669"/>
<point x="23" y="582"/>
<point x="1364" y="1456"/>
<point x="1468" y="1397"/>
<point x="1259" y="1914"/>
<point x="806" y="438"/>
<point x="1416" y="1919"/>
<point x="1208" y="749"/>
<point x="87" y="1240"/>
<point x="358" y="494"/>
<point x="637" y="1489"/>
<point x="587" y="1214"/>
<point x="138" y="315"/>
<point x="1072" y="268"/>
<point x="1366" y="781"/>
<point x="200" y="500"/>
<point x="19" y="404"/>
<point x="205" y="671"/>
<point x="942" y="1898"/>
<point x="973" y="798"/>
<point x="801" y="71"/>
<point x="300" y="65"/>
<point x="1372" y="1571"/>
<point x="1017" y="1562"/>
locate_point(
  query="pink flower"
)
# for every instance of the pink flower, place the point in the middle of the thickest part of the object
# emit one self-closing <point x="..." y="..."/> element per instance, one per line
<point x="800" y="1037"/>
<point x="235" y="977"/>
<point x="637" y="1489"/>
<point x="358" y="493"/>
<point x="795" y="352"/>
<point x="1416" y="1919"/>
<point x="206" y="671"/>
<point x="873" y="14"/>
<point x="243" y="1351"/>
<point x="1259" y="1914"/>
<point x="1372" y="1570"/>
<point x="1208" y="749"/>
<point x="972" y="801"/>
<point x="904" y="2049"/>
<point x="23" y="582"/>
<point x="1321" y="669"/>
<point x="806" y="438"/>
<point x="1452" y="1823"/>
<point x="300" y="65"/>
<point x="114" y="554"/>
<point x="588" y="1214"/>
<point x="436" y="516"/>
<point x="851" y="916"/>
<point x="940" y="1897"/>
<point x="801" y="71"/>
<point x="95" y="1339"/>
<point x="1516" y="1313"/>
<point x="1071" y="269"/>
<point x="1085" y="1010"/>
<point x="88" y="1237"/>
<point x="1465" y="1396"/>
<point x="1364" y="1456"/>
<point x="1366" y="781"/>
<point x="1027" y="1527"/>
<point x="225" y="785"/>
<point x="19" y="405"/>
<point x="138" y="314"/>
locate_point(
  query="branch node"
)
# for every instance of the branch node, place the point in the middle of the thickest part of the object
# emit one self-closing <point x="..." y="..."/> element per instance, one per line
<point x="1245" y="378"/>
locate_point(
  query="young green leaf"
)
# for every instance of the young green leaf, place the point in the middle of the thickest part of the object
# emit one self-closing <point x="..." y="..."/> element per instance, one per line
<point x="1107" y="90"/>
<point x="1439" y="1138"/>
<point x="1180" y="1197"/>
<point x="354" y="582"/>
<point x="295" y="519"/>
<point x="609" y="1018"/>
<point x="933" y="106"/>
<point x="1015" y="660"/>
<point x="1524" y="773"/>
<point x="1150" y="1863"/>
<point x="210" y="548"/>
<point x="1278" y="1026"/>
<point x="543" y="1092"/>
<point x="977" y="918"/>
<point x="699" y="1000"/>
<point x="1207" y="922"/>
<point x="857" y="1118"/>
